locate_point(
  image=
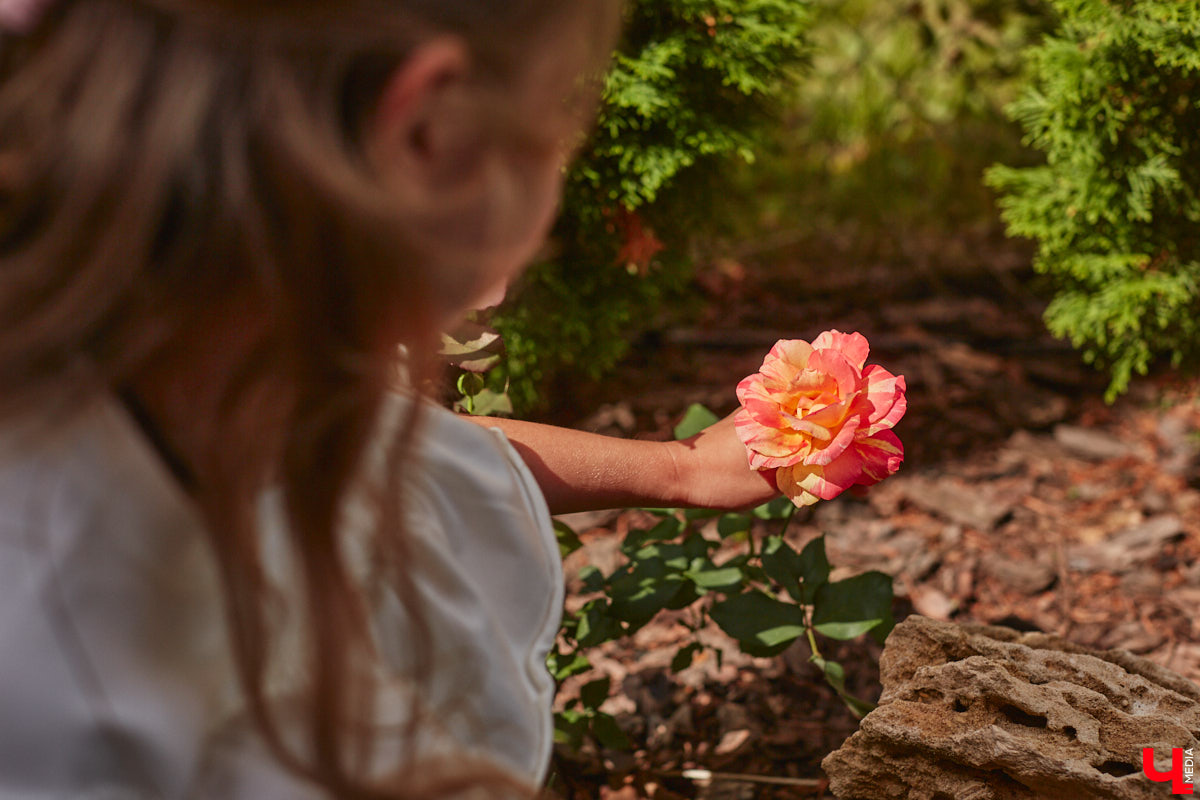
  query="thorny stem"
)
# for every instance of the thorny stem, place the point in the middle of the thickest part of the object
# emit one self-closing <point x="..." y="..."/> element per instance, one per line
<point x="787" y="520"/>
<point x="808" y="628"/>
<point x="812" y="639"/>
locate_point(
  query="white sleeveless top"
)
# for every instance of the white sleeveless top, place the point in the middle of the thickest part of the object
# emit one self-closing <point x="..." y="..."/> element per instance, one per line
<point x="116" y="680"/>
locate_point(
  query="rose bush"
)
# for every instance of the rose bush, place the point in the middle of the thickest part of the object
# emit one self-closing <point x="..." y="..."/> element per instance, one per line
<point x="821" y="418"/>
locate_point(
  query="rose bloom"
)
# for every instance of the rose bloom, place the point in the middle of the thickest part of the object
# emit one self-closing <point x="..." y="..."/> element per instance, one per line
<point x="819" y="416"/>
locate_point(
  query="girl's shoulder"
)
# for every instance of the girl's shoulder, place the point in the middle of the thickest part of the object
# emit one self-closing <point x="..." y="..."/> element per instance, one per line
<point x="112" y="647"/>
<point x="87" y="471"/>
<point x="116" y="624"/>
<point x="453" y="451"/>
<point x="489" y="577"/>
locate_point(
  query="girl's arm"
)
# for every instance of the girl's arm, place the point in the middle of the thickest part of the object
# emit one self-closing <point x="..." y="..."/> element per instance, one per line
<point x="580" y="471"/>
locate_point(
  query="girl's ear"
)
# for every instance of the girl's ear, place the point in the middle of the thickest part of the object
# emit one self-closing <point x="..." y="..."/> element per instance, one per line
<point x="421" y="126"/>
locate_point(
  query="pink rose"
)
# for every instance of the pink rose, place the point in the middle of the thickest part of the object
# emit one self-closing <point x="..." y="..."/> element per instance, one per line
<point x="821" y="418"/>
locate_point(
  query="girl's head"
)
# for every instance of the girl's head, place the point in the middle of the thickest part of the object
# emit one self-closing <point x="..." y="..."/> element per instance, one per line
<point x="170" y="152"/>
<point x="477" y="146"/>
<point x="245" y="205"/>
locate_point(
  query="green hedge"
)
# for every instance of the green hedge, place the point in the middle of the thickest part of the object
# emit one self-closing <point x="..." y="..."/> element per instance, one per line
<point x="697" y="83"/>
<point x="1113" y="101"/>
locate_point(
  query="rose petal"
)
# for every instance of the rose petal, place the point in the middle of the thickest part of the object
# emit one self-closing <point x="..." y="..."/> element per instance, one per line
<point x="804" y="484"/>
<point x="833" y="415"/>
<point x="885" y="392"/>
<point x="806" y="427"/>
<point x="760" y="462"/>
<point x="845" y="471"/>
<point x="838" y="367"/>
<point x="813" y="385"/>
<point x="760" y="403"/>
<point x="824" y="453"/>
<point x="853" y="345"/>
<point x="879" y="455"/>
<point x="750" y="385"/>
<point x="799" y="482"/>
<point x="768" y="448"/>
<point x="786" y="358"/>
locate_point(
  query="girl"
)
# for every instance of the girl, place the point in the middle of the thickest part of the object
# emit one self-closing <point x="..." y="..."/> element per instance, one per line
<point x="238" y="557"/>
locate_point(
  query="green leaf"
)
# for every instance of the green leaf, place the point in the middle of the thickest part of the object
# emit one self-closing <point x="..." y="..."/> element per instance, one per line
<point x="608" y="733"/>
<point x="592" y="578"/>
<point x="800" y="574"/>
<point x="643" y="590"/>
<point x="696" y="546"/>
<point x="835" y="676"/>
<point x="570" y="727"/>
<point x="696" y="419"/>
<point x="675" y="556"/>
<point x="469" y="384"/>
<point x="753" y="572"/>
<point x="858" y="707"/>
<point x="564" y="665"/>
<point x="488" y="403"/>
<point x="593" y="694"/>
<point x="684" y="656"/>
<point x="779" y="508"/>
<point x="637" y="538"/>
<point x="814" y="568"/>
<point x="687" y="595"/>
<point x="782" y="565"/>
<point x="847" y="609"/>
<point x="596" y="625"/>
<point x="762" y="625"/>
<point x="733" y="524"/>
<point x="714" y="577"/>
<point x="568" y="540"/>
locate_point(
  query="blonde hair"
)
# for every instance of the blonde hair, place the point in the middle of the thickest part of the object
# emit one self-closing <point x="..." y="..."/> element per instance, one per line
<point x="163" y="161"/>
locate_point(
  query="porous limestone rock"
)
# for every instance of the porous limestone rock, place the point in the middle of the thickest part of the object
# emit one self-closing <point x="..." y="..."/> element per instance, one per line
<point x="978" y="712"/>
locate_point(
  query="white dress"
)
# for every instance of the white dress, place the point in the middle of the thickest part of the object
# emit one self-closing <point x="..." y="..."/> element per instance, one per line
<point x="116" y="680"/>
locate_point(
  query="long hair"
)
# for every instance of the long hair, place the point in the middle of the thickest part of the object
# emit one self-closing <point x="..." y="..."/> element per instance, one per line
<point x="168" y="163"/>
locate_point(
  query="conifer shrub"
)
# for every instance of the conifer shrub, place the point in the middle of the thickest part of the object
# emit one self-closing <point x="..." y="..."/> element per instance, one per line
<point x="1113" y="101"/>
<point x="695" y="86"/>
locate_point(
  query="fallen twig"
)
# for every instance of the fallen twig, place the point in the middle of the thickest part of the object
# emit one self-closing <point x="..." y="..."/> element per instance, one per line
<point x="707" y="776"/>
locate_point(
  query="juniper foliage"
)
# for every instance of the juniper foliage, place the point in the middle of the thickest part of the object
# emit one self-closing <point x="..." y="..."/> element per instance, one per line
<point x="695" y="80"/>
<point x="696" y="84"/>
<point x="1113" y="101"/>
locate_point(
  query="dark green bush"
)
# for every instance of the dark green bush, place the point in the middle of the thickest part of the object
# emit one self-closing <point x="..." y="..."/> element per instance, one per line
<point x="1114" y="103"/>
<point x="696" y="84"/>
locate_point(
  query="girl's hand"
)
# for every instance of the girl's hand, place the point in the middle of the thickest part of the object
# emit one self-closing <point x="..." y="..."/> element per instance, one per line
<point x="713" y="471"/>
